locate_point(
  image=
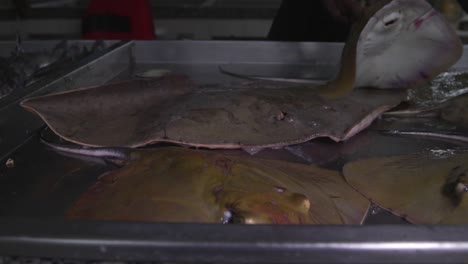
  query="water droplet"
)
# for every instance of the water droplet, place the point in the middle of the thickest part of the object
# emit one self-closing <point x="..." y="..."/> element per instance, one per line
<point x="227" y="215"/>
<point x="328" y="108"/>
<point x="374" y="210"/>
<point x="280" y="189"/>
<point x="10" y="163"/>
<point x="252" y="150"/>
<point x="312" y="124"/>
<point x="280" y="116"/>
<point x="299" y="152"/>
<point x="442" y="153"/>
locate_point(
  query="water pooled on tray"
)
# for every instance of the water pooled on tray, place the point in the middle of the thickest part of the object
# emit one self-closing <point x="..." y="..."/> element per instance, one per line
<point x="445" y="86"/>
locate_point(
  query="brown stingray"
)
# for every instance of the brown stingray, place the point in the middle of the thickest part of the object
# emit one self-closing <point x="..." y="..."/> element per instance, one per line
<point x="167" y="109"/>
<point x="182" y="185"/>
<point x="425" y="188"/>
<point x="142" y="112"/>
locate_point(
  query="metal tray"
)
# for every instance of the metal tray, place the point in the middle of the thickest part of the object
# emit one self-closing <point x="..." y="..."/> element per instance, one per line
<point x="16" y="125"/>
<point x="36" y="192"/>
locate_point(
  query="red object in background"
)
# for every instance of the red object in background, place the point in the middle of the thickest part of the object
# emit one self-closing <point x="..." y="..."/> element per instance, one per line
<point x="118" y="19"/>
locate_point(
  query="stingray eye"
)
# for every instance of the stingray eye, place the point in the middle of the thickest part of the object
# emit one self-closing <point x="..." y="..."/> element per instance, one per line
<point x="455" y="185"/>
<point x="391" y="22"/>
<point x="391" y="19"/>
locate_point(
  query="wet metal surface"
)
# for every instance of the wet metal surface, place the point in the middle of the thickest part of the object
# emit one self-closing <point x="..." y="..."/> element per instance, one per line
<point x="204" y="69"/>
<point x="42" y="184"/>
<point x="17" y="125"/>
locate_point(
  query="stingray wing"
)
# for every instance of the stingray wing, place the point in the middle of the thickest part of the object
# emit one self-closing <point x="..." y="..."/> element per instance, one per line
<point x="415" y="186"/>
<point x="142" y="112"/>
<point x="181" y="185"/>
<point x="111" y="114"/>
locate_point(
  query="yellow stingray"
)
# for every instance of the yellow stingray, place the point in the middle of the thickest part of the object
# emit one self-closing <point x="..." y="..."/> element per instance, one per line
<point x="182" y="185"/>
<point x="424" y="188"/>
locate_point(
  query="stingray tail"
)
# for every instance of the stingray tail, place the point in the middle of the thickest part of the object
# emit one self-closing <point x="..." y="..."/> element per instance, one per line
<point x="113" y="155"/>
<point x="442" y="135"/>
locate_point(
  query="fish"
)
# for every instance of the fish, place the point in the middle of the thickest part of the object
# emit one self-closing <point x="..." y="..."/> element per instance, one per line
<point x="461" y="137"/>
<point x="173" y="109"/>
<point x="424" y="188"/>
<point x="179" y="185"/>
<point x="388" y="31"/>
<point x="113" y="155"/>
<point x="169" y="109"/>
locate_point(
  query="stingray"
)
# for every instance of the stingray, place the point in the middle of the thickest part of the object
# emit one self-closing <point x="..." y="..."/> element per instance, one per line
<point x="424" y="188"/>
<point x="182" y="185"/>
<point x="402" y="35"/>
<point x="390" y="48"/>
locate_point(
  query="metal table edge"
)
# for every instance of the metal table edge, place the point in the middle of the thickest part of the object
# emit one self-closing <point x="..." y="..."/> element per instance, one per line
<point x="193" y="243"/>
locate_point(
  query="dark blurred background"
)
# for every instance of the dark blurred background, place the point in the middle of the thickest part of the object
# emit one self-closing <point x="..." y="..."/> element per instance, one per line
<point x="173" y="19"/>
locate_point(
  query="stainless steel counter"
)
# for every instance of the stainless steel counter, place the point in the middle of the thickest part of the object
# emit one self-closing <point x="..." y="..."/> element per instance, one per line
<point x="36" y="192"/>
